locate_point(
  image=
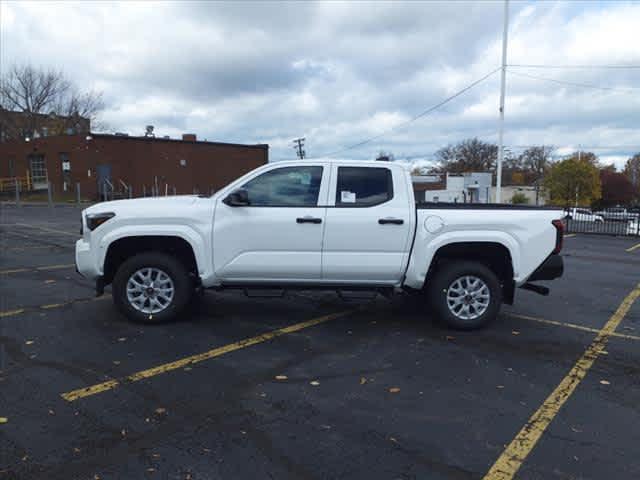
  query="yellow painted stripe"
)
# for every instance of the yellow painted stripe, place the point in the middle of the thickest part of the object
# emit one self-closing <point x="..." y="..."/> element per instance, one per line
<point x="37" y="269"/>
<point x="15" y="270"/>
<point x="517" y="451"/>
<point x="56" y="267"/>
<point x="633" y="248"/>
<point x="570" y="235"/>
<point x="11" y="313"/>
<point x="47" y="229"/>
<point x="571" y="325"/>
<point x="201" y="357"/>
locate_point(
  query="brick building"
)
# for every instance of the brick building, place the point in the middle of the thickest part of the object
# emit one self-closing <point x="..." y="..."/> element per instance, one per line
<point x="108" y="165"/>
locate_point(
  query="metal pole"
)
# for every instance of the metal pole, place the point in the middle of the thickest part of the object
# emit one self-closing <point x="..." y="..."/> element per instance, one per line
<point x="17" y="192"/>
<point x="502" y="89"/>
<point x="78" y="192"/>
<point x="144" y="190"/>
<point x="130" y="191"/>
<point x="49" y="195"/>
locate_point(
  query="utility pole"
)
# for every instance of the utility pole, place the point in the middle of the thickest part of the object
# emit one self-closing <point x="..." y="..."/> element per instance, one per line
<point x="298" y="145"/>
<point x="502" y="88"/>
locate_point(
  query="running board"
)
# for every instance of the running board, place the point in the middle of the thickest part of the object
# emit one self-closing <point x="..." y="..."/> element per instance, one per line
<point x="539" y="289"/>
<point x="356" y="295"/>
<point x="264" y="293"/>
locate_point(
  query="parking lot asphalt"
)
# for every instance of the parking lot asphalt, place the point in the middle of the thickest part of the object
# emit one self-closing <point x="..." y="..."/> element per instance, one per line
<point x="311" y="386"/>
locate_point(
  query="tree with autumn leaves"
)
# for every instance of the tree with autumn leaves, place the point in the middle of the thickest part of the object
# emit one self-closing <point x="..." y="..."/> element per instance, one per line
<point x="574" y="181"/>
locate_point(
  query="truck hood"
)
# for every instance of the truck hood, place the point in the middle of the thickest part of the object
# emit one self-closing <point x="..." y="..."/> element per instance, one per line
<point x="141" y="206"/>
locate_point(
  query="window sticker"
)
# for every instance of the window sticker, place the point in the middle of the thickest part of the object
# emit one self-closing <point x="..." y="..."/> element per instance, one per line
<point x="347" y="197"/>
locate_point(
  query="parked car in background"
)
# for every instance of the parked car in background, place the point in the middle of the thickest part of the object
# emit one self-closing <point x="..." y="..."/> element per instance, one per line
<point x="618" y="214"/>
<point x="583" y="215"/>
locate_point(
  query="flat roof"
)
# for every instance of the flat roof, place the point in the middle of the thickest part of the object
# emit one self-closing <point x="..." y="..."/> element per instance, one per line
<point x="262" y="146"/>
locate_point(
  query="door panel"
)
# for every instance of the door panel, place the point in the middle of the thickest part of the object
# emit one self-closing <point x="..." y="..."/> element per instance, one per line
<point x="367" y="232"/>
<point x="278" y="238"/>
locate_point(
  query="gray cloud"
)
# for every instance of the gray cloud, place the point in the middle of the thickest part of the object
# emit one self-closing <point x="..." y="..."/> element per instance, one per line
<point x="340" y="72"/>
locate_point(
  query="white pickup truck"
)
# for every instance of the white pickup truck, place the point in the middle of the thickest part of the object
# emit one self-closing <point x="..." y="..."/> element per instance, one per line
<point x="334" y="225"/>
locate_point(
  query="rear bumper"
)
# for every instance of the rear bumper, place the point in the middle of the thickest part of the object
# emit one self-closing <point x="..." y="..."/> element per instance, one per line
<point x="551" y="268"/>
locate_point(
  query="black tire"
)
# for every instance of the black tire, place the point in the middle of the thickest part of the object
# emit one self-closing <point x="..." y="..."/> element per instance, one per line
<point x="438" y="286"/>
<point x="175" y="270"/>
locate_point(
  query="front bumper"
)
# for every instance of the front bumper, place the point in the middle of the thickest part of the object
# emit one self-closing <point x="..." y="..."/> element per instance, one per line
<point x="85" y="260"/>
<point x="551" y="268"/>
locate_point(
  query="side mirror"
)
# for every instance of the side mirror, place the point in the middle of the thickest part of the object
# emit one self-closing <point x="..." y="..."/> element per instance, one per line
<point x="237" y="198"/>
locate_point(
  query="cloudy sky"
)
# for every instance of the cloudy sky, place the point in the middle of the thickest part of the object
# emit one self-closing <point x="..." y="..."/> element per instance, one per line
<point x="340" y="73"/>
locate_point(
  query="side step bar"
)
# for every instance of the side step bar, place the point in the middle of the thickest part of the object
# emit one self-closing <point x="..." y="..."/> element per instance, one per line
<point x="539" y="289"/>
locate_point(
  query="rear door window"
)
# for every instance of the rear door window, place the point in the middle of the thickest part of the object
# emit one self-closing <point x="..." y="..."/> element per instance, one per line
<point x="363" y="186"/>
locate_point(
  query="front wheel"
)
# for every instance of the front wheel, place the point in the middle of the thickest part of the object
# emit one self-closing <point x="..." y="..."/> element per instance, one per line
<point x="152" y="287"/>
<point x="466" y="295"/>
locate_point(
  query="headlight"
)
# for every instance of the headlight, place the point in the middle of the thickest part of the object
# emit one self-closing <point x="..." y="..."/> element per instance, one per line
<point x="94" y="220"/>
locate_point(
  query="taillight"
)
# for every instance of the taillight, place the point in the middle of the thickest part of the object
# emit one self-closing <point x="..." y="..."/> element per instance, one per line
<point x="559" y="235"/>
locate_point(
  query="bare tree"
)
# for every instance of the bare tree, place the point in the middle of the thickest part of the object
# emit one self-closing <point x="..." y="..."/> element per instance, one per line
<point x="37" y="94"/>
<point x="535" y="162"/>
<point x="471" y="155"/>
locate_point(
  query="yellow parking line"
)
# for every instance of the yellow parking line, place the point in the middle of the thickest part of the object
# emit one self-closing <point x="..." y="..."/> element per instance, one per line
<point x="37" y="269"/>
<point x="201" y="357"/>
<point x="633" y="248"/>
<point x="18" y="311"/>
<point x="47" y="229"/>
<point x="56" y="267"/>
<point x="517" y="451"/>
<point x="571" y="325"/>
<point x="10" y="313"/>
<point x="570" y="235"/>
<point x="15" y="270"/>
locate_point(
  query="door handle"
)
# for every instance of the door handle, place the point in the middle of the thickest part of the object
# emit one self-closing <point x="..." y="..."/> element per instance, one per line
<point x="308" y="220"/>
<point x="392" y="221"/>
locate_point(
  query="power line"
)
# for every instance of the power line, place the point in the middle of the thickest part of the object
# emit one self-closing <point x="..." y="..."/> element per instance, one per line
<point x="413" y="119"/>
<point x="574" y="66"/>
<point x="574" y="84"/>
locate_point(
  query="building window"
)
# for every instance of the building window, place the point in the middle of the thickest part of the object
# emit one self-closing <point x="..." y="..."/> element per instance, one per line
<point x="38" y="170"/>
<point x="363" y="186"/>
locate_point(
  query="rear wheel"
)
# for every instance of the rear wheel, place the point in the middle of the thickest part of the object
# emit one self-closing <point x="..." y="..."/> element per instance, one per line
<point x="152" y="287"/>
<point x="466" y="295"/>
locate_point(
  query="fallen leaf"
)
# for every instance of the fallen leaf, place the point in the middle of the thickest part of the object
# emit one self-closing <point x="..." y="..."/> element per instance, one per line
<point x="160" y="410"/>
<point x="4" y="419"/>
<point x="500" y="386"/>
<point x="116" y="362"/>
<point x="122" y="339"/>
<point x="393" y="440"/>
<point x="29" y="342"/>
<point x="604" y="352"/>
<point x="51" y="412"/>
<point x="151" y="469"/>
<point x="96" y="477"/>
<point x="515" y="332"/>
<point x="605" y="382"/>
<point x="76" y="449"/>
<point x="187" y="369"/>
<point x="449" y="337"/>
<point x="123" y="432"/>
<point x="25" y="458"/>
<point x="155" y="455"/>
<point x="394" y="390"/>
<point x="576" y="430"/>
<point x="281" y="377"/>
<point x="315" y="383"/>
<point x="363" y="380"/>
<point x="49" y="281"/>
